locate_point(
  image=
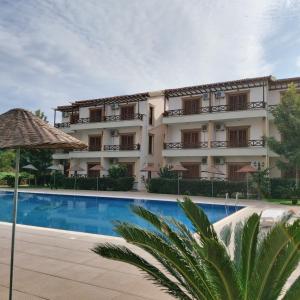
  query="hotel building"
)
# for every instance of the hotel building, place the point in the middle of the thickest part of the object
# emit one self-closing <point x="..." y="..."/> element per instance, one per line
<point x="212" y="130"/>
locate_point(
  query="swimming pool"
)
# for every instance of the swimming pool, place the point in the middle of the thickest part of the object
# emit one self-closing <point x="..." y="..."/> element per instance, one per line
<point x="93" y="214"/>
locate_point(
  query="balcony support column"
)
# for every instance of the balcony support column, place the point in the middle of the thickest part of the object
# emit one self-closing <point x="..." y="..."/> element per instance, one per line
<point x="210" y="138"/>
<point x="54" y="116"/>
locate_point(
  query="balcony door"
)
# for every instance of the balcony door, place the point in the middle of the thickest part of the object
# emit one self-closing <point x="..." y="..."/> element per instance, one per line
<point x="238" y="137"/>
<point x="233" y="174"/>
<point x="74" y="117"/>
<point x="190" y="139"/>
<point x="127" y="112"/>
<point x="96" y="115"/>
<point x="191" y="106"/>
<point x="126" y="141"/>
<point x="237" y="102"/>
<point x="95" y="143"/>
<point x="193" y="170"/>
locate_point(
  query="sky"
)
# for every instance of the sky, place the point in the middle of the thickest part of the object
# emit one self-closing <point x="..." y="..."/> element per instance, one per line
<point x="54" y="52"/>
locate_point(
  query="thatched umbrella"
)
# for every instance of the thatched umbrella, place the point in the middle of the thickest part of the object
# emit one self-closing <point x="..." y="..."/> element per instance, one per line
<point x="214" y="171"/>
<point x="30" y="167"/>
<point x="20" y="129"/>
<point x="179" y="169"/>
<point x="247" y="169"/>
<point x="55" y="168"/>
<point x="98" y="168"/>
<point x="149" y="169"/>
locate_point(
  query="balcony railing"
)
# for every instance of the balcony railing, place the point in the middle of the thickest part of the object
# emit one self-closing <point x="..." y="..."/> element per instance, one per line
<point x="179" y="145"/>
<point x="216" y="109"/>
<point x="121" y="147"/>
<point x="62" y="125"/>
<point x="234" y="144"/>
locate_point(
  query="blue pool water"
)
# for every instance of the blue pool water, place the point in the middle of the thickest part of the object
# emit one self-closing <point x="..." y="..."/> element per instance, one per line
<point x="92" y="214"/>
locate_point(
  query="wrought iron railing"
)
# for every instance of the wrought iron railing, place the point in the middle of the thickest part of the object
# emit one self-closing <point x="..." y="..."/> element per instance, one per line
<point x="113" y="118"/>
<point x="123" y="117"/>
<point x="62" y="125"/>
<point x="179" y="145"/>
<point x="121" y="147"/>
<point x="216" y="108"/>
<point x="234" y="144"/>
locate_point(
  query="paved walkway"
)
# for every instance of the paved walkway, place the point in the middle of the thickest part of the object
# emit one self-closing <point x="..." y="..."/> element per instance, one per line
<point x="56" y="264"/>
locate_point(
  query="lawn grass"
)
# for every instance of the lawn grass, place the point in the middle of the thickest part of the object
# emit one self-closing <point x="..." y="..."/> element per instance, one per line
<point x="283" y="201"/>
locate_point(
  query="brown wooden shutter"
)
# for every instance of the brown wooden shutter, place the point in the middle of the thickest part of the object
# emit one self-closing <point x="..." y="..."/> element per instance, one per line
<point x="191" y="106"/>
<point x="127" y="112"/>
<point x="192" y="171"/>
<point x="95" y="143"/>
<point x="95" y="115"/>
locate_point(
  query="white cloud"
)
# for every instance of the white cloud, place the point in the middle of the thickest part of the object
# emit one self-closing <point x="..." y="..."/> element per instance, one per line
<point x="55" y="51"/>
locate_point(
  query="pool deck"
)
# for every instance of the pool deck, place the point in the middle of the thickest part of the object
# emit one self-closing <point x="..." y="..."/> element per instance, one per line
<point x="57" y="264"/>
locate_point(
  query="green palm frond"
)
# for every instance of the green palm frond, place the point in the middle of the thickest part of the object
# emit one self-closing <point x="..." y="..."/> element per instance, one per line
<point x="199" y="219"/>
<point x="248" y="250"/>
<point x="294" y="291"/>
<point x="270" y="250"/>
<point x="199" y="266"/>
<point x="122" y="253"/>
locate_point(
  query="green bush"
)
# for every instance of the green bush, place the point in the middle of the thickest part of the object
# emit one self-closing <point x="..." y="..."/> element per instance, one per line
<point x="9" y="177"/>
<point x="117" y="171"/>
<point x="90" y="183"/>
<point x="195" y="187"/>
<point x="279" y="187"/>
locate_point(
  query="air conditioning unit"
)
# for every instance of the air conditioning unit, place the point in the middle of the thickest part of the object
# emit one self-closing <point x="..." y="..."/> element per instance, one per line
<point x="220" y="127"/>
<point x="204" y="128"/>
<point x="114" y="132"/>
<point x="205" y="97"/>
<point x="220" y="94"/>
<point x="219" y="160"/>
<point x="114" y="106"/>
<point x="204" y="161"/>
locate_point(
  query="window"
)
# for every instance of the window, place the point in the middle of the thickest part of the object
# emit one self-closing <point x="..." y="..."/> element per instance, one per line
<point x="92" y="173"/>
<point x="127" y="112"/>
<point x="238" y="137"/>
<point x="237" y="102"/>
<point x="190" y="139"/>
<point x="95" y="143"/>
<point x="233" y="175"/>
<point x="191" y="106"/>
<point x="126" y="141"/>
<point x="74" y="117"/>
<point x="151" y="115"/>
<point x="150" y="144"/>
<point x="96" y="115"/>
<point x="193" y="170"/>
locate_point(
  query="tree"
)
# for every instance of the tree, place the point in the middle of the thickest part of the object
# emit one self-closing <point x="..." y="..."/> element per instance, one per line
<point x="7" y="158"/>
<point x="287" y="120"/>
<point x="40" y="158"/>
<point x="201" y="266"/>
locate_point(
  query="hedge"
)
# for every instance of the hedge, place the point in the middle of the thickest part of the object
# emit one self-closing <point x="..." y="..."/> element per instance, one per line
<point x="195" y="187"/>
<point x="90" y="183"/>
<point x="204" y="187"/>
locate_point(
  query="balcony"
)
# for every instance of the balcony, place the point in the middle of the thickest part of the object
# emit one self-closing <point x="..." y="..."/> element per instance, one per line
<point x="132" y="150"/>
<point x="104" y="122"/>
<point x="216" y="113"/>
<point x="179" y="145"/>
<point x="121" y="147"/>
<point x="234" y="144"/>
<point x="217" y="148"/>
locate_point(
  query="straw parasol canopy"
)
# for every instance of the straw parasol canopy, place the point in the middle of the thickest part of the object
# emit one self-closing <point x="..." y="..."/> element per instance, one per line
<point x="30" y="167"/>
<point x="19" y="128"/>
<point x="76" y="169"/>
<point x="247" y="169"/>
<point x="56" y="167"/>
<point x="178" y="168"/>
<point x="97" y="168"/>
<point x="149" y="168"/>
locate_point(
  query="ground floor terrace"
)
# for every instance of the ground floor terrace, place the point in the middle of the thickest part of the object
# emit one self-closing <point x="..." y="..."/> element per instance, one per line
<point x="57" y="264"/>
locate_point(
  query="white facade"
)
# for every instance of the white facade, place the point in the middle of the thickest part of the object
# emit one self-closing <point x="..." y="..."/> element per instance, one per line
<point x="212" y="130"/>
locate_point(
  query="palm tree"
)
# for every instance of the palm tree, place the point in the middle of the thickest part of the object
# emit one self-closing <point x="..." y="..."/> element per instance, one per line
<point x="200" y="266"/>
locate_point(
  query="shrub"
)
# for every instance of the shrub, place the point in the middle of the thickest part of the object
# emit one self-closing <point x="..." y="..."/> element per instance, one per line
<point x="117" y="171"/>
<point x="90" y="183"/>
<point x="279" y="187"/>
<point x="195" y="187"/>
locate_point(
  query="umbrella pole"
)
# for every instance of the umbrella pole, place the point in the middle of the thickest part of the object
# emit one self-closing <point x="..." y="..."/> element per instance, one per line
<point x="178" y="183"/>
<point x="247" y="185"/>
<point x="14" y="221"/>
